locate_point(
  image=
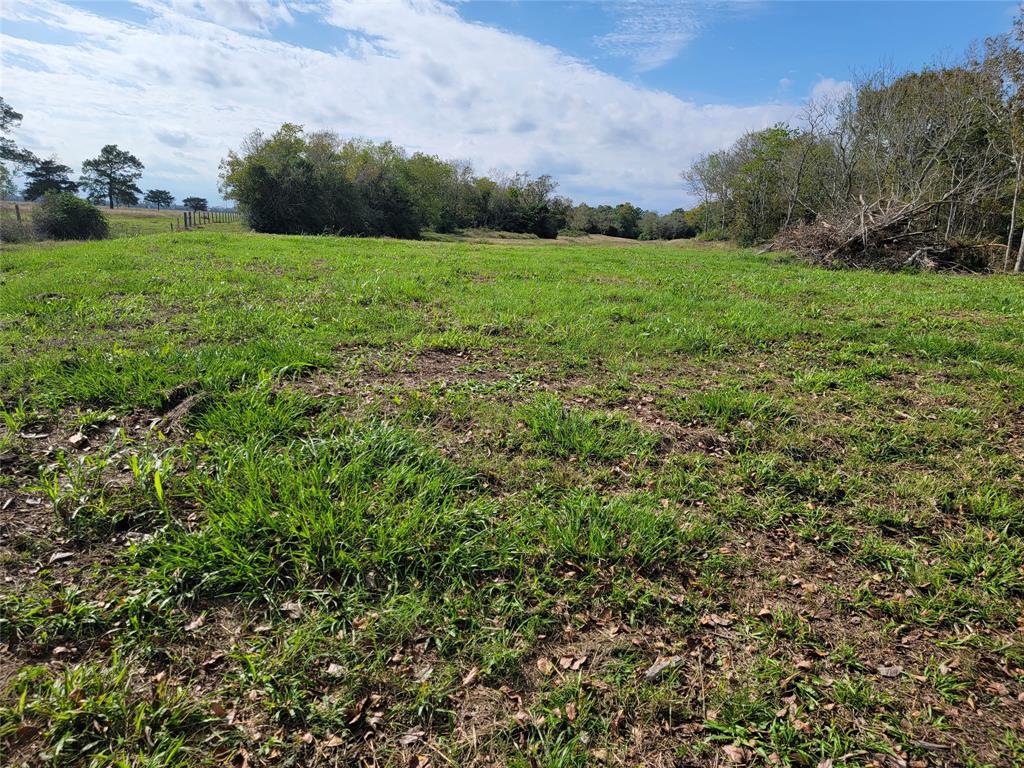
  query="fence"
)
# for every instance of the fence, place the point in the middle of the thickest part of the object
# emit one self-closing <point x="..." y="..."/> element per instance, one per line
<point x="195" y="219"/>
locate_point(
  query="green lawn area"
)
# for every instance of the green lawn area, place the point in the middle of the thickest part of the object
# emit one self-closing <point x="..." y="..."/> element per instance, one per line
<point x="318" y="501"/>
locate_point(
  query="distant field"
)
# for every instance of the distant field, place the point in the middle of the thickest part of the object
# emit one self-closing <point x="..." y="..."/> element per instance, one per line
<point x="318" y="501"/>
<point x="130" y="222"/>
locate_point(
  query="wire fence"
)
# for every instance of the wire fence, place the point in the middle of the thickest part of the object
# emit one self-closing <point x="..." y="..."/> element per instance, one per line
<point x="128" y="222"/>
<point x="196" y="219"/>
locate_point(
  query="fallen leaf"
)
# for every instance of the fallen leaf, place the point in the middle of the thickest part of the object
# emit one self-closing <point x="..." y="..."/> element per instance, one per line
<point x="411" y="737"/>
<point x="654" y="671"/>
<point x="212" y="660"/>
<point x="890" y="671"/>
<point x="570" y="712"/>
<point x="57" y="557"/>
<point x="736" y="754"/>
<point x="545" y="666"/>
<point x="25" y="732"/>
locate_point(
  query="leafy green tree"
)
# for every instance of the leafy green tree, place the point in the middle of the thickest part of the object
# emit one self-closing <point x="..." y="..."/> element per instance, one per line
<point x="10" y="152"/>
<point x="161" y="198"/>
<point x="7" y="188"/>
<point x="48" y="176"/>
<point x="111" y="176"/>
<point x="296" y="183"/>
<point x="195" y="203"/>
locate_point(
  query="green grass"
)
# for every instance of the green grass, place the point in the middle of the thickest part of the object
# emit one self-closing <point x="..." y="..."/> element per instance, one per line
<point x="131" y="222"/>
<point x="316" y="501"/>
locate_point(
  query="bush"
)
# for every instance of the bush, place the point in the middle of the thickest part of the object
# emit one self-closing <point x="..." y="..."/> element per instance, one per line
<point x="62" y="216"/>
<point x="14" y="231"/>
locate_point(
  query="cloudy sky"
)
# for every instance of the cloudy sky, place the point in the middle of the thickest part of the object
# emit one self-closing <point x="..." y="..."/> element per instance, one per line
<point x="611" y="98"/>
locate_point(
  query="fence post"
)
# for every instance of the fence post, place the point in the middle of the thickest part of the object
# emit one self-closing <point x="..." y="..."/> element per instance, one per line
<point x="17" y="213"/>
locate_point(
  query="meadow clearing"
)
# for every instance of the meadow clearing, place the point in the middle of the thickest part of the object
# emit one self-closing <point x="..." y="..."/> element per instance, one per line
<point x="273" y="500"/>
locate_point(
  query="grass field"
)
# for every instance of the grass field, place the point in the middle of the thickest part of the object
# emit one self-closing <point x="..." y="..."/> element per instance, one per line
<point x="317" y="501"/>
<point x="131" y="222"/>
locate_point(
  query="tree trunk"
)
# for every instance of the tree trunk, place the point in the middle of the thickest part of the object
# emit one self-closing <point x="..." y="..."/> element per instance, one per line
<point x="1019" y="266"/>
<point x="1013" y="217"/>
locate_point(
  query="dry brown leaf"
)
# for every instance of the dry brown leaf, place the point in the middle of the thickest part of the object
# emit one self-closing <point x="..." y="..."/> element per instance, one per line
<point x="658" y="667"/>
<point x="737" y="755"/>
<point x="890" y="671"/>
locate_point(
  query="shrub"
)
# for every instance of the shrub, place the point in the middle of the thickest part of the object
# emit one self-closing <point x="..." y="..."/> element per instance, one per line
<point x="62" y="216"/>
<point x="14" y="231"/>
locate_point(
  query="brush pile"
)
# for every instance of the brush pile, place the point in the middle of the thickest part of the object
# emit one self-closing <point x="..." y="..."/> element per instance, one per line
<point x="885" y="235"/>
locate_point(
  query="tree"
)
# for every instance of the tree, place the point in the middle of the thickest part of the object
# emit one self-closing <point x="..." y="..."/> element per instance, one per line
<point x="10" y="152"/>
<point x="48" y="176"/>
<point x="111" y="176"/>
<point x="195" y="203"/>
<point x="161" y="198"/>
<point x="7" y="188"/>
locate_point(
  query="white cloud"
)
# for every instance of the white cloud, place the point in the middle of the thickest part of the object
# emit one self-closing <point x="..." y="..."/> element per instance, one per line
<point x="414" y="72"/>
<point x="652" y="32"/>
<point x="249" y="15"/>
<point x="830" y="88"/>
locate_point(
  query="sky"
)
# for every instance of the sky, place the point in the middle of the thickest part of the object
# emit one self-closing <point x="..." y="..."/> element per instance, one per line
<point x="613" y="99"/>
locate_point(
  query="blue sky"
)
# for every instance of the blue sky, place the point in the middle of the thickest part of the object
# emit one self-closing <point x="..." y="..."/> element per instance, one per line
<point x="612" y="98"/>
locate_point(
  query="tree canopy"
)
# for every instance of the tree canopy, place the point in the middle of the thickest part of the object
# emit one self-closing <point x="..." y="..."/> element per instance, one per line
<point x="298" y="182"/>
<point x="111" y="176"/>
<point x="161" y="198"/>
<point x="48" y="176"/>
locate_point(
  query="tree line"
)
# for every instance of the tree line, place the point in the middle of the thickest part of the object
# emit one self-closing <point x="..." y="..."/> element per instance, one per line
<point x="907" y="167"/>
<point x="109" y="178"/>
<point x="298" y="182"/>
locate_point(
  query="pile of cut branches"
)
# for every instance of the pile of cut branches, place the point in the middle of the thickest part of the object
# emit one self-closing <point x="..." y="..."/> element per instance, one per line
<point x="885" y="235"/>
